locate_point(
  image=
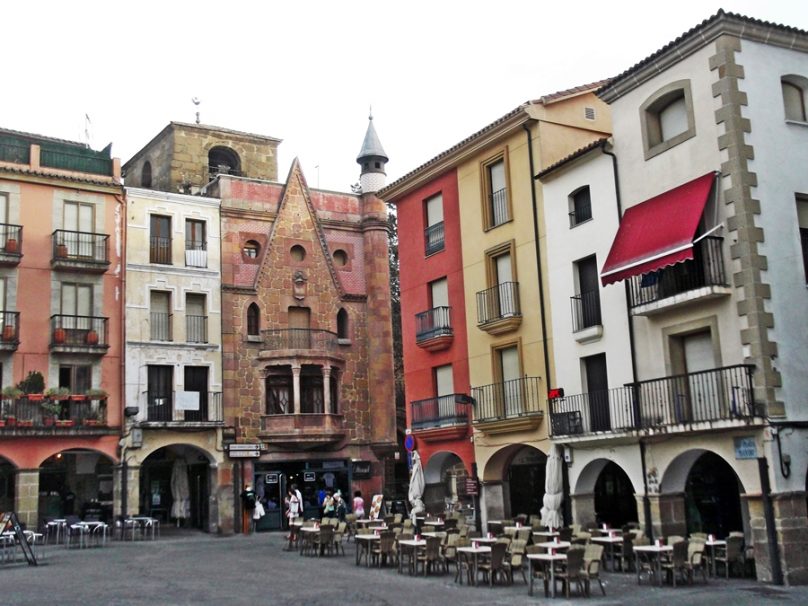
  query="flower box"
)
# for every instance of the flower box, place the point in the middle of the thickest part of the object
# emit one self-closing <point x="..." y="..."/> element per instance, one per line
<point x="91" y="422"/>
<point x="48" y="421"/>
<point x="35" y="397"/>
<point x="78" y="397"/>
<point x="65" y="422"/>
<point x="25" y="423"/>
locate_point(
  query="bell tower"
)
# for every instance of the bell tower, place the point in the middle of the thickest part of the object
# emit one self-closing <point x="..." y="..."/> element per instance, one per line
<point x="373" y="160"/>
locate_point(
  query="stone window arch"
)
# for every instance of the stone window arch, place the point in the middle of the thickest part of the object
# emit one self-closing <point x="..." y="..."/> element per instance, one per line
<point x="253" y="320"/>
<point x="146" y="175"/>
<point x="223" y="160"/>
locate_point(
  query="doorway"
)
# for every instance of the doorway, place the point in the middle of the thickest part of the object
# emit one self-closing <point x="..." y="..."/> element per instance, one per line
<point x="597" y="387"/>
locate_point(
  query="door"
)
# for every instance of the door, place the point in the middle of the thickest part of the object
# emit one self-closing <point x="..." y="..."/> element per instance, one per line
<point x="588" y="292"/>
<point x="270" y="486"/>
<point x="78" y="223"/>
<point x="439" y="293"/>
<point x="597" y="386"/>
<point x="510" y="372"/>
<point x="196" y="379"/>
<point x="504" y="278"/>
<point x="160" y="392"/>
<point x="702" y="401"/>
<point x="444" y="390"/>
<point x="77" y="309"/>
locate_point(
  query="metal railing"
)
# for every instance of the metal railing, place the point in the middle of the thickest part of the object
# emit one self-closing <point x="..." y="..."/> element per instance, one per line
<point x="79" y="331"/>
<point x="581" y="212"/>
<point x="77" y="162"/>
<point x="18" y="154"/>
<point x="585" y="310"/>
<point x="434" y="237"/>
<point x="69" y="412"/>
<point x="299" y="338"/>
<point x="500" y="213"/>
<point x="10" y="239"/>
<point x="436" y="322"/>
<point x="440" y="411"/>
<point x="80" y="246"/>
<point x="165" y="406"/>
<point x="719" y="394"/>
<point x="160" y="326"/>
<point x="498" y="302"/>
<point x="10" y="326"/>
<point x="196" y="329"/>
<point x="705" y="269"/>
<point x="160" y="250"/>
<point x="508" y="400"/>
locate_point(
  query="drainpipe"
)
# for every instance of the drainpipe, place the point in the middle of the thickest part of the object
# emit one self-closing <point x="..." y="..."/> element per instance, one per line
<point x="646" y="503"/>
<point x="121" y="199"/>
<point x="526" y="127"/>
<point x="768" y="515"/>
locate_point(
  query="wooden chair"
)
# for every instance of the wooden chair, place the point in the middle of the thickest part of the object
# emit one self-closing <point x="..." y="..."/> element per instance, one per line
<point x="350" y="520"/>
<point x="572" y="570"/>
<point x="494" y="566"/>
<point x="677" y="562"/>
<point x="593" y="555"/>
<point x="430" y="556"/>
<point x="450" y="550"/>
<point x="731" y="554"/>
<point x="514" y="558"/>
<point x="383" y="549"/>
<point x="625" y="553"/>
<point x="696" y="560"/>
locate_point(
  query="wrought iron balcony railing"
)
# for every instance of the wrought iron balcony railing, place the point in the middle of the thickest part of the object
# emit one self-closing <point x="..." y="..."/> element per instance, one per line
<point x="9" y="328"/>
<point x="160" y="250"/>
<point x="585" y="310"/>
<point x="299" y="338"/>
<point x="72" y="411"/>
<point x="10" y="241"/>
<point x="79" y="331"/>
<point x="705" y="269"/>
<point x="436" y="322"/>
<point x="196" y="329"/>
<point x="433" y="238"/>
<point x="721" y="394"/>
<point x="508" y="400"/>
<point x="498" y="302"/>
<point x="441" y="411"/>
<point x="500" y="212"/>
<point x="79" y="246"/>
<point x="184" y="406"/>
<point x="160" y="326"/>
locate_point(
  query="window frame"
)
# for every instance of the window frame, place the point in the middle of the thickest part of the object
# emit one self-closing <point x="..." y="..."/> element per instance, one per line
<point x="487" y="193"/>
<point x="190" y="240"/>
<point x="253" y="320"/>
<point x="431" y="243"/>
<point x="156" y="256"/>
<point x="801" y="85"/>
<point x="573" y="208"/>
<point x="650" y="110"/>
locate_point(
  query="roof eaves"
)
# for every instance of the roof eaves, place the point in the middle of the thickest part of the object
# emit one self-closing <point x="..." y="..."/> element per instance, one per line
<point x="579" y="153"/>
<point x="570" y="92"/>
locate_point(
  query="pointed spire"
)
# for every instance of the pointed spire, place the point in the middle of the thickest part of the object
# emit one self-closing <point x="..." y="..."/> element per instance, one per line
<point x="371" y="147"/>
<point x="372" y="159"/>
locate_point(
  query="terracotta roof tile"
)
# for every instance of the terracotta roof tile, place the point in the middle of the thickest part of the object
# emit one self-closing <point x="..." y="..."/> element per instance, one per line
<point x="576" y="154"/>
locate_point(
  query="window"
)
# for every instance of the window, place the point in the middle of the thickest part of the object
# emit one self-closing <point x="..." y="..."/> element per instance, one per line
<point x="251" y="249"/>
<point x="340" y="258"/>
<point x="160" y="240"/>
<point x="76" y="305"/>
<point x="279" y="391"/>
<point x="160" y="316"/>
<point x="146" y="175"/>
<point x="196" y="247"/>
<point x="580" y="204"/>
<point x="794" y="97"/>
<point x="196" y="321"/>
<point x="434" y="233"/>
<point x="253" y="320"/>
<point x="497" y="205"/>
<point x="77" y="378"/>
<point x="298" y="253"/>
<point x="597" y="388"/>
<point x="501" y="278"/>
<point x="586" y="302"/>
<point x="196" y="380"/>
<point x="667" y="118"/>
<point x="444" y="391"/>
<point x="342" y="324"/>
<point x="160" y="393"/>
<point x="802" y="220"/>
<point x="223" y="160"/>
<point x="508" y="370"/>
<point x="79" y="226"/>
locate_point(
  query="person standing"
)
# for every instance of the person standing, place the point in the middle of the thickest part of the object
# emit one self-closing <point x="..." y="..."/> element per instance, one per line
<point x="299" y="499"/>
<point x="358" y="505"/>
<point x="248" y="500"/>
<point x="328" y="505"/>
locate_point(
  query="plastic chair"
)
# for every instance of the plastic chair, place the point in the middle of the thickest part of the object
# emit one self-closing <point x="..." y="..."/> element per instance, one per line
<point x="572" y="570"/>
<point x="731" y="554"/>
<point x="591" y="570"/>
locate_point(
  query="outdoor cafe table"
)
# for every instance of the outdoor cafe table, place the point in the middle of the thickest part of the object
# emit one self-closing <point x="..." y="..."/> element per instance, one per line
<point x="547" y="560"/>
<point x="609" y="541"/>
<point x="548" y="545"/>
<point x="545" y="534"/>
<point x="712" y="545"/>
<point x="411" y="546"/>
<point x="474" y="552"/>
<point x="654" y="551"/>
<point x="363" y="544"/>
<point x="367" y="523"/>
<point x="485" y="540"/>
<point x="307" y="535"/>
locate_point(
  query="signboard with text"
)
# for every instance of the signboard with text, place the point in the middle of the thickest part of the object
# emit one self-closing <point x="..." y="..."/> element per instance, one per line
<point x="745" y="448"/>
<point x="472" y="487"/>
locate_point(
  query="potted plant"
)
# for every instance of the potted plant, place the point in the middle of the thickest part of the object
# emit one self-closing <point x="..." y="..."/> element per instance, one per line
<point x="9" y="332"/>
<point x="91" y="419"/>
<point x="59" y="335"/>
<point x="50" y="410"/>
<point x="33" y="385"/>
<point x="12" y="246"/>
<point x="11" y="393"/>
<point x="97" y="394"/>
<point x="92" y="337"/>
<point x="64" y="422"/>
<point x="61" y="251"/>
<point x="58" y="394"/>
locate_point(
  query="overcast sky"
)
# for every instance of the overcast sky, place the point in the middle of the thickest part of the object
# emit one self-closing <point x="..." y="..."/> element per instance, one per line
<point x="306" y="72"/>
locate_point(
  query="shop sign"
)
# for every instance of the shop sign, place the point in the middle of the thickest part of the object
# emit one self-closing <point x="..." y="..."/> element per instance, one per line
<point x="745" y="448"/>
<point x="186" y="400"/>
<point x="472" y="487"/>
<point x="361" y="469"/>
<point x="245" y="454"/>
<point x="309" y="476"/>
<point x="271" y="478"/>
<point x="333" y="464"/>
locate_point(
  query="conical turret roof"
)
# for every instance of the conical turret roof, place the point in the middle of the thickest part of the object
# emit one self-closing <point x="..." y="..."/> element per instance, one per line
<point x="371" y="145"/>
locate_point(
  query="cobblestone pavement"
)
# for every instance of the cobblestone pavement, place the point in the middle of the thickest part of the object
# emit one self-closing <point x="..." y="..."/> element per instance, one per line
<point x="200" y="569"/>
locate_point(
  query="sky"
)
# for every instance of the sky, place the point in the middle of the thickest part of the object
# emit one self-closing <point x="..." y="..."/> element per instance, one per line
<point x="308" y="72"/>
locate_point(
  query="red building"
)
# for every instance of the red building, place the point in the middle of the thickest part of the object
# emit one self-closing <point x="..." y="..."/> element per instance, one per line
<point x="433" y="325"/>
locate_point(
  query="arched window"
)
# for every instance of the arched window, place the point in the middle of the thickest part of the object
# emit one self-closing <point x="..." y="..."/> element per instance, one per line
<point x="794" y="97"/>
<point x="223" y="160"/>
<point x="145" y="175"/>
<point x="251" y="249"/>
<point x="253" y="320"/>
<point x="342" y="324"/>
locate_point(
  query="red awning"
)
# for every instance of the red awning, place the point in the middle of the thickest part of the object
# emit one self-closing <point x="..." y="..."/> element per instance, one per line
<point x="658" y="232"/>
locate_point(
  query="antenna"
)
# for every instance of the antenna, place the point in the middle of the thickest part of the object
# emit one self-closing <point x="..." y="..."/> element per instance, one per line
<point x="196" y="101"/>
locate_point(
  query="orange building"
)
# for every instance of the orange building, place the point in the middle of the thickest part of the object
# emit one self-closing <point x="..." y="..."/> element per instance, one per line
<point x="61" y="291"/>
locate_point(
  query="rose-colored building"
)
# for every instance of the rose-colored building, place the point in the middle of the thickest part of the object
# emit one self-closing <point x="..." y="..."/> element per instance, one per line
<point x="61" y="277"/>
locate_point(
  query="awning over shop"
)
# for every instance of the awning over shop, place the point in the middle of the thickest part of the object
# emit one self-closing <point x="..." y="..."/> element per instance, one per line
<point x="658" y="232"/>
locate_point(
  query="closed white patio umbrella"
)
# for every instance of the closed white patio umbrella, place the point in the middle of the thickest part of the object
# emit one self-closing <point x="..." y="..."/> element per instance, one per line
<point x="553" y="491"/>
<point x="417" y="483"/>
<point x="180" y="491"/>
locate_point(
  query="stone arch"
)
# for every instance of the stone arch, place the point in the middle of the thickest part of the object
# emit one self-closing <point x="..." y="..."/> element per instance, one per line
<point x="253" y="320"/>
<point x="674" y="478"/>
<point x="591" y="472"/>
<point x="342" y="324"/>
<point x="8" y="474"/>
<point x="444" y="472"/>
<point x="223" y="160"/>
<point x="76" y="481"/>
<point x="514" y="481"/>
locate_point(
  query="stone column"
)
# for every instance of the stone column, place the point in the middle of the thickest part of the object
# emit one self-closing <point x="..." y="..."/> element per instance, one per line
<point x="583" y="509"/>
<point x="668" y="514"/>
<point x="296" y="389"/>
<point x="326" y="389"/>
<point x="26" y="500"/>
<point x="791" y="521"/>
<point x="493" y="502"/>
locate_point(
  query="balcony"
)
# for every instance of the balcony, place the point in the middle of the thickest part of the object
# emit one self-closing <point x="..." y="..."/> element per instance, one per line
<point x="498" y="208"/>
<point x="161" y="326"/>
<point x="433" y="329"/>
<point x="696" y="280"/>
<point x="9" y="330"/>
<point x="160" y="250"/>
<point x="508" y="406"/>
<point x="442" y="418"/>
<point x="80" y="251"/>
<point x="196" y="329"/>
<point x="699" y="400"/>
<point x="38" y="416"/>
<point x="498" y="308"/>
<point x="434" y="239"/>
<point x="586" y="319"/>
<point x="79" y="334"/>
<point x="182" y="409"/>
<point x="305" y="431"/>
<point x="51" y="154"/>
<point x="10" y="244"/>
<point x="196" y="254"/>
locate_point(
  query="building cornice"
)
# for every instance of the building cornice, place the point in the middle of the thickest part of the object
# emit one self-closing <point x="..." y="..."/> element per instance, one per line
<point x="187" y="199"/>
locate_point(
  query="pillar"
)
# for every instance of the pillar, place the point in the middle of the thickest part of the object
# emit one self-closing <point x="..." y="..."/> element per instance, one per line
<point x="296" y="389"/>
<point x="583" y="509"/>
<point x="326" y="389"/>
<point x="26" y="500"/>
<point x="668" y="514"/>
<point x="491" y="497"/>
<point x="791" y="522"/>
